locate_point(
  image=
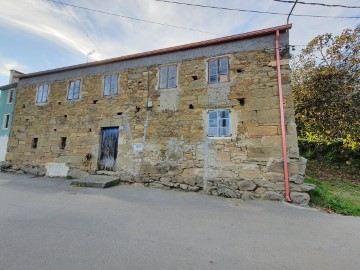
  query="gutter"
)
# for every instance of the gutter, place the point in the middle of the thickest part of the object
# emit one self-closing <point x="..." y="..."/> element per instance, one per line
<point x="282" y="118"/>
<point x="8" y="86"/>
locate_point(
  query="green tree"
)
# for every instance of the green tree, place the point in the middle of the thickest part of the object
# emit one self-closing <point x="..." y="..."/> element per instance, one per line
<point x="325" y="81"/>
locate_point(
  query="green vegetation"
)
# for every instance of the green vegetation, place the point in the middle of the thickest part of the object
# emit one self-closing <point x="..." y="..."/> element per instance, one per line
<point x="339" y="197"/>
<point x="326" y="83"/>
<point x="69" y="177"/>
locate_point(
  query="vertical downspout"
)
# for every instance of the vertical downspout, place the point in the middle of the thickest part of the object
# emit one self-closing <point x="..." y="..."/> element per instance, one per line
<point x="282" y="118"/>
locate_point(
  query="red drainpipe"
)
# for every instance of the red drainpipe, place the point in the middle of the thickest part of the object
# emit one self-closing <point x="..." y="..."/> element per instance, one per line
<point x="282" y="118"/>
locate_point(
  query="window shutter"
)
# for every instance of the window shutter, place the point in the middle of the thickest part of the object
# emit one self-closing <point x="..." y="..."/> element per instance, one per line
<point x="163" y="77"/>
<point x="114" y="82"/>
<point x="172" y="77"/>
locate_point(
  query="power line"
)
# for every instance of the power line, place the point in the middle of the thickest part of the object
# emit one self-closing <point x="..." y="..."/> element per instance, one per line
<point x="132" y="18"/>
<point x="80" y="26"/>
<point x="316" y="4"/>
<point x="288" y="18"/>
<point x="257" y="11"/>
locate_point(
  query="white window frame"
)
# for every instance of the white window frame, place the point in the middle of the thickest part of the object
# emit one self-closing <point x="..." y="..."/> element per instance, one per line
<point x="9" y="96"/>
<point x="40" y="91"/>
<point x="8" y="121"/>
<point x="73" y="90"/>
<point x="215" y="126"/>
<point x="218" y="73"/>
<point x="164" y="82"/>
<point x="111" y="86"/>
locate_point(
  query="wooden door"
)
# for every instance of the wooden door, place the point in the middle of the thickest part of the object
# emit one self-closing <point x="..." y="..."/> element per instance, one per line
<point x="109" y="148"/>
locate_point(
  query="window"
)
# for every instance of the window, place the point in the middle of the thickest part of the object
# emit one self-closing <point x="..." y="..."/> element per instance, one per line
<point x="219" y="70"/>
<point x="42" y="95"/>
<point x="219" y="123"/>
<point x="73" y="90"/>
<point x="167" y="77"/>
<point x="111" y="84"/>
<point x="11" y="96"/>
<point x="6" y="121"/>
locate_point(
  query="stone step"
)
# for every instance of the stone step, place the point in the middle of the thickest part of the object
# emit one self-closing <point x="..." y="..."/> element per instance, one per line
<point x="97" y="181"/>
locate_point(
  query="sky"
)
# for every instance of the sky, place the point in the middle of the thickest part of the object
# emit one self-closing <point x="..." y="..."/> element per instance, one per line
<point x="37" y="35"/>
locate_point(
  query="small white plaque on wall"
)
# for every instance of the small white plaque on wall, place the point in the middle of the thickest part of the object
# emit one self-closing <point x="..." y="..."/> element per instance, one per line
<point x="138" y="147"/>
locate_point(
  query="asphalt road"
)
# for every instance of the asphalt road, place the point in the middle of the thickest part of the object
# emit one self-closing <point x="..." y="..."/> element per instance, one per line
<point x="47" y="224"/>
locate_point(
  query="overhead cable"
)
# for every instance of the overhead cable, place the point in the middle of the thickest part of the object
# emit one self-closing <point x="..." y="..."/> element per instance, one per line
<point x="316" y="4"/>
<point x="258" y="11"/>
<point x="80" y="26"/>
<point x="133" y="18"/>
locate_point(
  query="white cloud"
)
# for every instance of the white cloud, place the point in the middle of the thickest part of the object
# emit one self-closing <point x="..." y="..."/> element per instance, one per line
<point x="7" y="64"/>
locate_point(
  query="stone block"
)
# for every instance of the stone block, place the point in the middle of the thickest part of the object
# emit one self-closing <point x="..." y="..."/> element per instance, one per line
<point x="223" y="156"/>
<point x="300" y="198"/>
<point x="271" y="140"/>
<point x="302" y="187"/>
<point x="77" y="173"/>
<point x="263" y="153"/>
<point x="97" y="181"/>
<point x="5" y="165"/>
<point x="298" y="179"/>
<point x="302" y="165"/>
<point x="203" y="100"/>
<point x="259" y="131"/>
<point x="273" y="196"/>
<point x="250" y="174"/>
<point x="262" y="103"/>
<point x="269" y="116"/>
<point x="247" y="116"/>
<point x="264" y="183"/>
<point x="246" y="185"/>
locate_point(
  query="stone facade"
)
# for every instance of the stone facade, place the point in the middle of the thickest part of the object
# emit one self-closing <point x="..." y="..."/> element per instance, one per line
<point x="171" y="125"/>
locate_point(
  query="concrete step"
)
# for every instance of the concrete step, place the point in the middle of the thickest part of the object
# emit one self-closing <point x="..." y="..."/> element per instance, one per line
<point x="97" y="181"/>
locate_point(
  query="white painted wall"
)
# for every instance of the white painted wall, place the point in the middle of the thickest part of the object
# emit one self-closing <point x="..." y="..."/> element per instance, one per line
<point x="56" y="169"/>
<point x="3" y="146"/>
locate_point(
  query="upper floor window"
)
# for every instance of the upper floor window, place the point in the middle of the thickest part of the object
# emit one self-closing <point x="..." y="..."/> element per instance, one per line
<point x="167" y="77"/>
<point x="111" y="84"/>
<point x="6" y="121"/>
<point x="219" y="123"/>
<point x="219" y="70"/>
<point x="73" y="90"/>
<point x="42" y="95"/>
<point x="11" y="96"/>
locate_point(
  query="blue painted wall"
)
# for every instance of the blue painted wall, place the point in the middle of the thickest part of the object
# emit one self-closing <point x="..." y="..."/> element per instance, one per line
<point x="5" y="108"/>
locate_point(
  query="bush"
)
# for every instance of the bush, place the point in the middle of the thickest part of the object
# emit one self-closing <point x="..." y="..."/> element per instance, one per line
<point x="333" y="152"/>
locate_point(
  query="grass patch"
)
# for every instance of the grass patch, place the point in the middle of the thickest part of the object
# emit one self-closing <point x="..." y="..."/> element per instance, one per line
<point x="69" y="177"/>
<point x="339" y="197"/>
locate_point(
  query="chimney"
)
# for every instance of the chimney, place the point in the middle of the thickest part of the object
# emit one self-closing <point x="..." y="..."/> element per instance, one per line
<point x="14" y="76"/>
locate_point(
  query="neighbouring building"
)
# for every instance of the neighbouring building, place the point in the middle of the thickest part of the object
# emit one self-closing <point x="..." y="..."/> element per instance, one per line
<point x="7" y="101"/>
<point x="202" y="116"/>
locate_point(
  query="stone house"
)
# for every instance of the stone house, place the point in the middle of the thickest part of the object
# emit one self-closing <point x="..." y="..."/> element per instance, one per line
<point x="202" y="116"/>
<point x="7" y="100"/>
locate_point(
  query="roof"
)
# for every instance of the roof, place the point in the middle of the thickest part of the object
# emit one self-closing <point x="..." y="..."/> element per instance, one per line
<point x="8" y="86"/>
<point x="194" y="45"/>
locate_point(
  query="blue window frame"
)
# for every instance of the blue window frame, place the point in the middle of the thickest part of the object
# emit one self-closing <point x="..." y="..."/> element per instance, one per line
<point x="219" y="70"/>
<point x="168" y="77"/>
<point x="111" y="85"/>
<point x="73" y="90"/>
<point x="42" y="94"/>
<point x="219" y="123"/>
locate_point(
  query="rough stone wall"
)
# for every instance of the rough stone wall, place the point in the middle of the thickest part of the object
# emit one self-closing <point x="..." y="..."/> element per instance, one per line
<point x="177" y="152"/>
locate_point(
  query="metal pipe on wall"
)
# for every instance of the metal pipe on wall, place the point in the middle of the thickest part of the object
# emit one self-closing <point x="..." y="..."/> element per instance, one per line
<point x="282" y="118"/>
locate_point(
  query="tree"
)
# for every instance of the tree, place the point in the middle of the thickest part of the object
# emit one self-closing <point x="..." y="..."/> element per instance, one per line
<point x="326" y="86"/>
